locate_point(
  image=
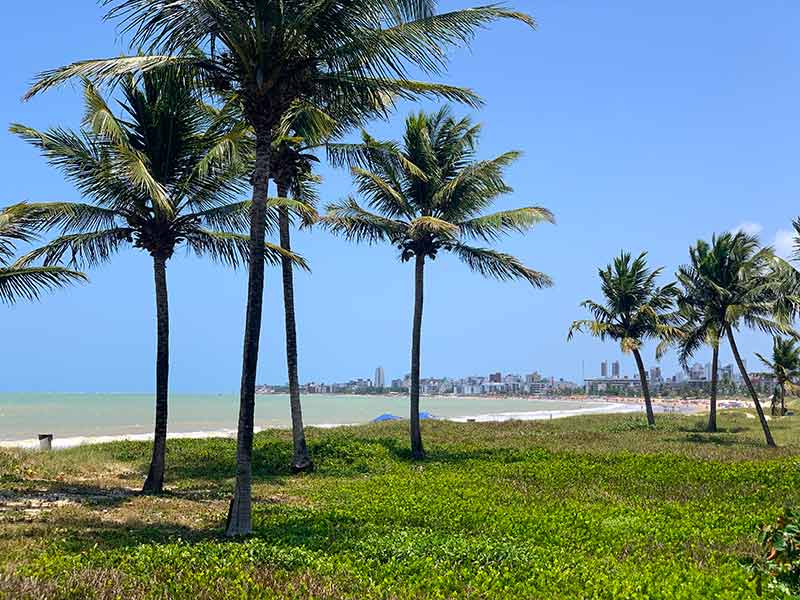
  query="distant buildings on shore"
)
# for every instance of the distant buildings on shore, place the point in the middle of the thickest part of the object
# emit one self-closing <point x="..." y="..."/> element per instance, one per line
<point x="492" y="384"/>
<point x="695" y="378"/>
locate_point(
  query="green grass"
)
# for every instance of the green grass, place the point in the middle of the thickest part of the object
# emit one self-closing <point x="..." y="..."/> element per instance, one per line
<point x="588" y="507"/>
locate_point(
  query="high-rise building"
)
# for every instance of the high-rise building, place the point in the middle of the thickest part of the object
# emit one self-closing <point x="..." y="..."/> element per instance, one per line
<point x="378" y="382"/>
<point x="604" y="369"/>
<point x="655" y="375"/>
<point x="697" y="372"/>
<point x="615" y="369"/>
<point x="495" y="378"/>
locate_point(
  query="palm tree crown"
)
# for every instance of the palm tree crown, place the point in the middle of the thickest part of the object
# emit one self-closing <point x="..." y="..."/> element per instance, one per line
<point x="727" y="282"/>
<point x="636" y="309"/>
<point x="21" y="280"/>
<point x="429" y="195"/>
<point x="162" y="174"/>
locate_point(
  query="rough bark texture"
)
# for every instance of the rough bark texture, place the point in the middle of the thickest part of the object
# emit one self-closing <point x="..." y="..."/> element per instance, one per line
<point x="648" y="405"/>
<point x="154" y="484"/>
<point x="300" y="458"/>
<point x="712" y="408"/>
<point x="417" y="450"/>
<point x="240" y="512"/>
<point x="751" y="389"/>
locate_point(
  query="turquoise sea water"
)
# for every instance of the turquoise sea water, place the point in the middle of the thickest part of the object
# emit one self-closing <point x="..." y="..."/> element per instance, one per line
<point x="24" y="415"/>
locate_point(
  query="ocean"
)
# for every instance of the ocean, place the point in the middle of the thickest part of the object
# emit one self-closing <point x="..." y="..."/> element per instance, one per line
<point x="81" y="418"/>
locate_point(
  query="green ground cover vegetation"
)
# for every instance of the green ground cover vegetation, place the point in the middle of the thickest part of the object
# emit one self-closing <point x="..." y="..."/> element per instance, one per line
<point x="585" y="507"/>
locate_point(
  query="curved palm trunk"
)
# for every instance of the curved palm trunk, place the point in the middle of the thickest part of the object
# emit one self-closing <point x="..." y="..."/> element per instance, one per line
<point x="751" y="389"/>
<point x="240" y="520"/>
<point x="154" y="484"/>
<point x="648" y="405"/>
<point x="712" y="409"/>
<point x="417" y="450"/>
<point x="300" y="459"/>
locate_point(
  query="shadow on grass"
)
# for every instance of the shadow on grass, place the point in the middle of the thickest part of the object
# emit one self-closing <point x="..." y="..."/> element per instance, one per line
<point x="712" y="438"/>
<point x="38" y="495"/>
<point x="87" y="531"/>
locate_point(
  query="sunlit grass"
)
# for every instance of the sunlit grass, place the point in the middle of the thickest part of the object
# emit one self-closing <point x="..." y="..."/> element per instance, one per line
<point x="594" y="507"/>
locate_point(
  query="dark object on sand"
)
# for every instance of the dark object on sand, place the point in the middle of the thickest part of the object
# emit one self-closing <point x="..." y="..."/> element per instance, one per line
<point x="45" y="441"/>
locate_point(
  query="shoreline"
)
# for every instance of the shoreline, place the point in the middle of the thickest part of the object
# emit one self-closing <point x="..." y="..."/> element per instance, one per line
<point x="607" y="405"/>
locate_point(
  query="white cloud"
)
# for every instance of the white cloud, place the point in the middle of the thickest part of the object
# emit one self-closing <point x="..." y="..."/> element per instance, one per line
<point x="749" y="228"/>
<point x="784" y="243"/>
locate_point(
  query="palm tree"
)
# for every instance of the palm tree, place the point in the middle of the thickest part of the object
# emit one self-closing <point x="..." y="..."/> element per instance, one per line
<point x="428" y="194"/>
<point x="635" y="310"/>
<point x="292" y="176"/>
<point x="699" y="326"/>
<point x="273" y="53"/>
<point x="21" y="280"/>
<point x="160" y="176"/>
<point x="730" y="283"/>
<point x="785" y="366"/>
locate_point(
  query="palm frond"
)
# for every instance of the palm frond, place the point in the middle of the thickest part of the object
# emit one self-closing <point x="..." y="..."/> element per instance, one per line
<point x="491" y="227"/>
<point x="499" y="265"/>
<point x="357" y="224"/>
<point x="84" y="250"/>
<point x="28" y="283"/>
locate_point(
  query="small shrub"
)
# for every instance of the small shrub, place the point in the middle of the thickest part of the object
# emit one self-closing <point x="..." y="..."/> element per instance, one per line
<point x="778" y="568"/>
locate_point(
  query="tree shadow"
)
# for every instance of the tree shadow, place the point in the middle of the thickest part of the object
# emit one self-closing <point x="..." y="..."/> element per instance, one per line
<point x="712" y="439"/>
<point x="38" y="495"/>
<point x="88" y="531"/>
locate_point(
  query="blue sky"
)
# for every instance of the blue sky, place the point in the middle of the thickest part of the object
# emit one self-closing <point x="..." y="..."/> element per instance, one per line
<point x="644" y="126"/>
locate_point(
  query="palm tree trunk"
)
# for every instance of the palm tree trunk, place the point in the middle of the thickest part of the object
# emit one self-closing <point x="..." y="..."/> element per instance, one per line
<point x="417" y="450"/>
<point x="783" y="398"/>
<point x="154" y="484"/>
<point x="712" y="409"/>
<point x="751" y="389"/>
<point x="300" y="459"/>
<point x="240" y="512"/>
<point x="648" y="405"/>
<point x="777" y="394"/>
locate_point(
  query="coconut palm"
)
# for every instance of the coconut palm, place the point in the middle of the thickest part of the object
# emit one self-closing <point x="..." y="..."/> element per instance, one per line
<point x="785" y="366"/>
<point x="428" y="195"/>
<point x="728" y="284"/>
<point x="700" y="327"/>
<point x="635" y="310"/>
<point x="273" y="53"/>
<point x="22" y="281"/>
<point x="160" y="176"/>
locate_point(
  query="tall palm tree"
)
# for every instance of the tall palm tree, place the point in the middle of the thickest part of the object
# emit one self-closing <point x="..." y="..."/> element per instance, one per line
<point x="22" y="281"/>
<point x="159" y="176"/>
<point x="700" y="327"/>
<point x="428" y="194"/>
<point x="785" y="366"/>
<point x="635" y="310"/>
<point x="728" y="284"/>
<point x="273" y="53"/>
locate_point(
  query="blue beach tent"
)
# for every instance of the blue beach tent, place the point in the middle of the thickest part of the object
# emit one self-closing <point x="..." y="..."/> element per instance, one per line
<point x="386" y="417"/>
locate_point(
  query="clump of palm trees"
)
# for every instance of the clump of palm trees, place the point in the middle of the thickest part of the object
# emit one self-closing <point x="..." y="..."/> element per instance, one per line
<point x="234" y="93"/>
<point x="729" y="283"/>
